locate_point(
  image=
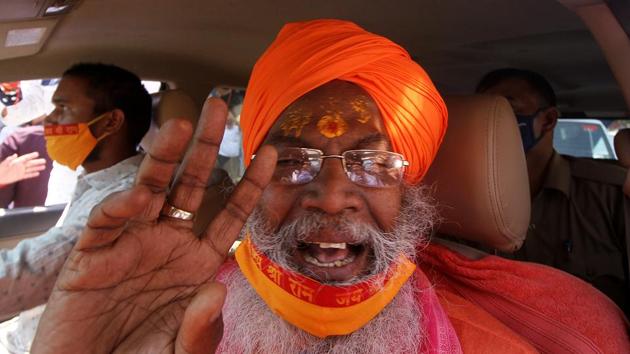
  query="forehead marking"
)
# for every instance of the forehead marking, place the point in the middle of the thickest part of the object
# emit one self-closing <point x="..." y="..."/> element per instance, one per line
<point x="296" y="120"/>
<point x="360" y="106"/>
<point x="332" y="125"/>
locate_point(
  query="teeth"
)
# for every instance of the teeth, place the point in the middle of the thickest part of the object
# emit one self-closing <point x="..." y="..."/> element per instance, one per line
<point x="341" y="246"/>
<point x="337" y="263"/>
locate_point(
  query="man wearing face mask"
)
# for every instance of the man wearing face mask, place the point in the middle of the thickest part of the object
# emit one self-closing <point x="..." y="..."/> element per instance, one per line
<point x="579" y="212"/>
<point x="101" y="114"/>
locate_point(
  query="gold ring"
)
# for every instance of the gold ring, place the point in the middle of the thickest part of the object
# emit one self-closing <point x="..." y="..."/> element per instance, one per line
<point x="176" y="213"/>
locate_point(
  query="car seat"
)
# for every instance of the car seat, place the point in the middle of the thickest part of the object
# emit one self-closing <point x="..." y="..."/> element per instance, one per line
<point x="480" y="175"/>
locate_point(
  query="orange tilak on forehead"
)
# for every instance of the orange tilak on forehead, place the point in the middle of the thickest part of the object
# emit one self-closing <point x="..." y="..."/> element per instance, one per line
<point x="360" y="106"/>
<point x="332" y="125"/>
<point x="296" y="120"/>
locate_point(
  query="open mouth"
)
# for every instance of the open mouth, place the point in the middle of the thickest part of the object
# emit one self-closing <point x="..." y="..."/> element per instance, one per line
<point x="328" y="254"/>
<point x="333" y="260"/>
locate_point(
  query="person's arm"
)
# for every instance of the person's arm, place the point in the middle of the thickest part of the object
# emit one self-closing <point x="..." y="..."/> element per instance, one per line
<point x="29" y="270"/>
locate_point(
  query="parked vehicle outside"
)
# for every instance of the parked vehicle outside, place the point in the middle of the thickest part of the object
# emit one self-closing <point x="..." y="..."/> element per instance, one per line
<point x="583" y="138"/>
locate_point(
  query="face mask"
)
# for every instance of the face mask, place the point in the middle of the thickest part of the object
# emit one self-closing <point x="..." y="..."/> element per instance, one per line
<point x="319" y="309"/>
<point x="70" y="144"/>
<point x="526" y="126"/>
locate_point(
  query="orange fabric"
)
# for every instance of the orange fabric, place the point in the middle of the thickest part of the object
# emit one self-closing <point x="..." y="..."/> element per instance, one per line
<point x="297" y="301"/>
<point x="552" y="310"/>
<point x="70" y="144"/>
<point x="306" y="55"/>
<point x="478" y="331"/>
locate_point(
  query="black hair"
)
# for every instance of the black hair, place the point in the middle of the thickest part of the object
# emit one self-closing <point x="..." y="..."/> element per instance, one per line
<point x="535" y="80"/>
<point x="112" y="87"/>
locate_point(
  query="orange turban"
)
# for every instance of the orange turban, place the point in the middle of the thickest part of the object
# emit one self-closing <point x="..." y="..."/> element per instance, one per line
<point x="306" y="55"/>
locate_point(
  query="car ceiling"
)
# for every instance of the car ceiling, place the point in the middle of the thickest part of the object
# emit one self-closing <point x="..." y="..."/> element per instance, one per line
<point x="197" y="44"/>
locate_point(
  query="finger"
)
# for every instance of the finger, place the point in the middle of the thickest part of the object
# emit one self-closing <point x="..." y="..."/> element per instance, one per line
<point x="36" y="165"/>
<point x="165" y="154"/>
<point x="108" y="218"/>
<point x="202" y="326"/>
<point x="29" y="156"/>
<point x="28" y="171"/>
<point x="192" y="179"/>
<point x="158" y="167"/>
<point x="35" y="168"/>
<point x="36" y="162"/>
<point x="225" y="228"/>
<point x="30" y="175"/>
<point x="11" y="158"/>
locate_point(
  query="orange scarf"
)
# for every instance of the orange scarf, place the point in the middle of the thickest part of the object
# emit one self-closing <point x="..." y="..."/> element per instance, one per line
<point x="306" y="55"/>
<point x="321" y="310"/>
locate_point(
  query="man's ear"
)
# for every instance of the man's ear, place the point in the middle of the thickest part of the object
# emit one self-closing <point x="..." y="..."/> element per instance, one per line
<point x="114" y="123"/>
<point x="549" y="119"/>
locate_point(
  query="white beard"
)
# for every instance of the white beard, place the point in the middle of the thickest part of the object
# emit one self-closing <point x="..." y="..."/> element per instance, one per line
<point x="251" y="327"/>
<point x="416" y="219"/>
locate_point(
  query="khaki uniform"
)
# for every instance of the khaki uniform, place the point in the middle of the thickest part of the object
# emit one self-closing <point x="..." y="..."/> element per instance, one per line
<point x="579" y="224"/>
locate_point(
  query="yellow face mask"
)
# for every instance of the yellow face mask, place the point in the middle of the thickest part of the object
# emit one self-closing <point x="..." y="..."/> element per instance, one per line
<point x="70" y="144"/>
<point x="319" y="309"/>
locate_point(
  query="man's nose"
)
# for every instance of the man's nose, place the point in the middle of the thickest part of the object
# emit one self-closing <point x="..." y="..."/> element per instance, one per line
<point x="51" y="118"/>
<point x="331" y="191"/>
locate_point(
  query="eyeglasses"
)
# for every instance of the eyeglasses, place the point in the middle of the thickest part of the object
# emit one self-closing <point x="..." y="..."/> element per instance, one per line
<point x="369" y="168"/>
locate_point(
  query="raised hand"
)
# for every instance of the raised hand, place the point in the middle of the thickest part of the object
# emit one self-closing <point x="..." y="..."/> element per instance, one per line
<point x="138" y="281"/>
<point x="14" y="168"/>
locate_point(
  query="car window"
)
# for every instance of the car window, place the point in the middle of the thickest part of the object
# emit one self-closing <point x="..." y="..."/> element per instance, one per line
<point x="153" y="86"/>
<point x="20" y="101"/>
<point x="230" y="156"/>
<point x="592" y="138"/>
<point x="26" y="98"/>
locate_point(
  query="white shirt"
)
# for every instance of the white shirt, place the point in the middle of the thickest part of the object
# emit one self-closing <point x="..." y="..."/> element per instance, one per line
<point x="231" y="143"/>
<point x="61" y="184"/>
<point x="29" y="271"/>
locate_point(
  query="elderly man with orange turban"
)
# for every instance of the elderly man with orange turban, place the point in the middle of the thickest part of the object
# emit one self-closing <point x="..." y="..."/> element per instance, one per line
<point x="339" y="125"/>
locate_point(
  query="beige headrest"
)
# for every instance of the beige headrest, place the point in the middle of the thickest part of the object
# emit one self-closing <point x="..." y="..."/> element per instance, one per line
<point x="167" y="105"/>
<point x="174" y="104"/>
<point x="480" y="174"/>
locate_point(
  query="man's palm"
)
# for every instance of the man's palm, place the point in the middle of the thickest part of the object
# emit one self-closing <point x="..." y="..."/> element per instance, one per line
<point x="140" y="282"/>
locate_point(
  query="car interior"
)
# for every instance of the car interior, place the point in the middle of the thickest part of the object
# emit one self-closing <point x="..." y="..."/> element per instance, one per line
<point x="193" y="46"/>
<point x="475" y="191"/>
<point x="196" y="45"/>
